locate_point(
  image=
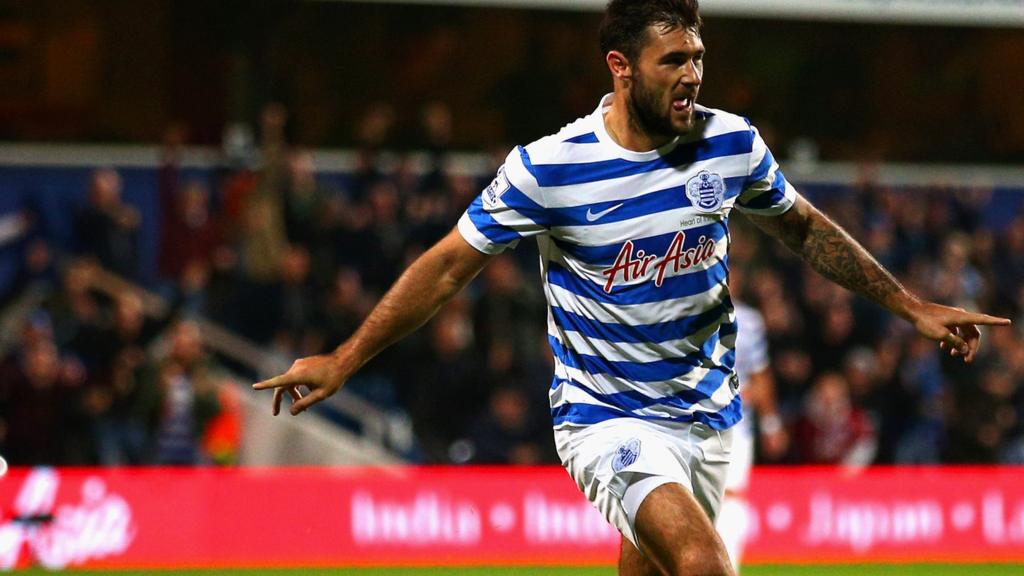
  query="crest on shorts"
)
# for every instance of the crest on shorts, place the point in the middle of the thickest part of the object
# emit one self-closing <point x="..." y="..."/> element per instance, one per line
<point x="706" y="191"/>
<point x="626" y="454"/>
<point x="496" y="188"/>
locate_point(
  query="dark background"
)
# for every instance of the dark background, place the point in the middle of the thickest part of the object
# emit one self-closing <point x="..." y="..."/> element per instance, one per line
<point x="122" y="70"/>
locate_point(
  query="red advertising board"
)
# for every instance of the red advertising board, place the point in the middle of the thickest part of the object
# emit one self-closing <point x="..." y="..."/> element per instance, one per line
<point x="163" y="517"/>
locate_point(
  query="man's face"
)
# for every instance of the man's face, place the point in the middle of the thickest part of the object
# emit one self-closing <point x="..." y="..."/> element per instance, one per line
<point x="666" y="78"/>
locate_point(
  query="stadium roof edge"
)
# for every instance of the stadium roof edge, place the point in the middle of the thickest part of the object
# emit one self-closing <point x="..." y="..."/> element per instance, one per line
<point x="992" y="13"/>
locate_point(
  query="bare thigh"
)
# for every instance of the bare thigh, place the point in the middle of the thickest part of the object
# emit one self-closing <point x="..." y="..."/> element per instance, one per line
<point x="676" y="537"/>
<point x="633" y="563"/>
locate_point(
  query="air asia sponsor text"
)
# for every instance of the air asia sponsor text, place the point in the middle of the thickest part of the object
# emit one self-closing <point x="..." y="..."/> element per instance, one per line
<point x="676" y="258"/>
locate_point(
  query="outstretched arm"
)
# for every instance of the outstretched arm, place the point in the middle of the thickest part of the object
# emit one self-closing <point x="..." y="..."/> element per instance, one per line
<point x="759" y="391"/>
<point x="433" y="279"/>
<point x="838" y="257"/>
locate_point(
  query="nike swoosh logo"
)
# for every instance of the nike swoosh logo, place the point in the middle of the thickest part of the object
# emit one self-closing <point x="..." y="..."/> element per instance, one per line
<point x="595" y="216"/>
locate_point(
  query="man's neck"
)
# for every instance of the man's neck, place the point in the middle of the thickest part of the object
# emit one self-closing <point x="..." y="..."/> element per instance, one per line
<point x="626" y="131"/>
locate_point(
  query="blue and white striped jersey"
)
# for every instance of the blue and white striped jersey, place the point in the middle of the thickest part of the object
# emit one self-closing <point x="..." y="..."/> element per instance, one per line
<point x="634" y="259"/>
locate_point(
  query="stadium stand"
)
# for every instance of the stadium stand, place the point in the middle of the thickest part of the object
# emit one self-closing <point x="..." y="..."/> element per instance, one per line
<point x="279" y="260"/>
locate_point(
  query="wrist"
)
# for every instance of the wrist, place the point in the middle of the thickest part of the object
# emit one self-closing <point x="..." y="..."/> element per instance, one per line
<point x="345" y="360"/>
<point x="906" y="305"/>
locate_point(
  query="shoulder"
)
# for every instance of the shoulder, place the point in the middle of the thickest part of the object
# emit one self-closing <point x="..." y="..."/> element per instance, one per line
<point x="577" y="142"/>
<point x="574" y="143"/>
<point x="572" y="138"/>
<point x="718" y="121"/>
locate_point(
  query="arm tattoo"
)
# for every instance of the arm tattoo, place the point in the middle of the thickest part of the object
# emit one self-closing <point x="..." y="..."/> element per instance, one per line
<point x="833" y="253"/>
<point x="838" y="257"/>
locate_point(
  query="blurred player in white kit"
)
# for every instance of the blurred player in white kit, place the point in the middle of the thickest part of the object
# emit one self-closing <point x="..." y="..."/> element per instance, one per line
<point x="757" y="387"/>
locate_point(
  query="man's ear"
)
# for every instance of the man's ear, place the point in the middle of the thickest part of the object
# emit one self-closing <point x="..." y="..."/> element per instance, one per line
<point x="619" y="65"/>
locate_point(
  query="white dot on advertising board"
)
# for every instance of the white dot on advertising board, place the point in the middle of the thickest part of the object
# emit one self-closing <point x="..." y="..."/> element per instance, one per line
<point x="502" y="517"/>
<point x="780" y="516"/>
<point x="962" y="516"/>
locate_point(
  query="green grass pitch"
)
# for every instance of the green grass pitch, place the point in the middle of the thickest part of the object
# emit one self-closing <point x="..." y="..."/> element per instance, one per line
<point x="787" y="570"/>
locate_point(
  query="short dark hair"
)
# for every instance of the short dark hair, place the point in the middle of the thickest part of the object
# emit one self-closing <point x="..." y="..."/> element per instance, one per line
<point x="626" y="21"/>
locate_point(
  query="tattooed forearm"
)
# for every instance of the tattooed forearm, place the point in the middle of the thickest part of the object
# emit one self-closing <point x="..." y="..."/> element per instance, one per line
<point x="835" y="254"/>
<point x="838" y="257"/>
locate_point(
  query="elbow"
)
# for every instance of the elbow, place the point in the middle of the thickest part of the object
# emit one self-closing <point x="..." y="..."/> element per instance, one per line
<point x="452" y="275"/>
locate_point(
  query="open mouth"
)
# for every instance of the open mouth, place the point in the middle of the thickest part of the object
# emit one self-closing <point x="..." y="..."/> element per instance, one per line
<point x="684" y="104"/>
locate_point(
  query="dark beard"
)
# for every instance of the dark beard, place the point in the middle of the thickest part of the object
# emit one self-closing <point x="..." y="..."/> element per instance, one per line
<point x="644" y="112"/>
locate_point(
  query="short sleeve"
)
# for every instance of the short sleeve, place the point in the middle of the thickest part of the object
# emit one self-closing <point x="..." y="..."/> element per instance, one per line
<point x="508" y="210"/>
<point x="766" y="190"/>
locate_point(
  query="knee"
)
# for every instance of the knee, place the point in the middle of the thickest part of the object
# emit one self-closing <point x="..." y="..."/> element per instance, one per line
<point x="701" y="561"/>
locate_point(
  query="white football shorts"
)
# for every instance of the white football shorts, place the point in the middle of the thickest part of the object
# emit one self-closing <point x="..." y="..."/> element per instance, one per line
<point x="617" y="463"/>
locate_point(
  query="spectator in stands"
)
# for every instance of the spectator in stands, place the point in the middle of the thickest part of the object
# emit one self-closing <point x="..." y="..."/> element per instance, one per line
<point x="1013" y="451"/>
<point x="923" y="384"/>
<point x="374" y="133"/>
<point x="119" y="399"/>
<point x="508" y="433"/>
<point x="37" y="271"/>
<point x="346" y="305"/>
<point x="956" y="279"/>
<point x="174" y="138"/>
<point x="190" y="230"/>
<point x="296" y="299"/>
<point x="75" y="311"/>
<point x="909" y="211"/>
<point x="984" y="417"/>
<point x="1009" y="261"/>
<point x="41" y="405"/>
<point x="108" y="228"/>
<point x="864" y="376"/>
<point x="262" y="240"/>
<point x="273" y="145"/>
<point x="985" y="412"/>
<point x="188" y="383"/>
<point x="833" y="334"/>
<point x="437" y="132"/>
<point x="428" y="219"/>
<point x="832" y="430"/>
<point x="305" y="201"/>
<point x="261" y="245"/>
<point x="448" y="392"/>
<point x="258" y="238"/>
<point x="386" y="237"/>
<point x="506" y="325"/>
<point x="222" y="440"/>
<point x="311" y="212"/>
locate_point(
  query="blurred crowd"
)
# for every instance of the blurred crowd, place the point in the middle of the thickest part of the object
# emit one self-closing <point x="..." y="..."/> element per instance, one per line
<point x="294" y="261"/>
<point x="857" y="385"/>
<point x="92" y="379"/>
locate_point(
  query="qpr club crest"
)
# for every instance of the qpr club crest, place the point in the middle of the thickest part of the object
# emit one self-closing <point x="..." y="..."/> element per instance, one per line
<point x="706" y="191"/>
<point x="626" y="454"/>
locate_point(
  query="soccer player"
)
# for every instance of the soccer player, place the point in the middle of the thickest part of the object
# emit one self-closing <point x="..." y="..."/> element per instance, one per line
<point x="629" y="206"/>
<point x="757" y="389"/>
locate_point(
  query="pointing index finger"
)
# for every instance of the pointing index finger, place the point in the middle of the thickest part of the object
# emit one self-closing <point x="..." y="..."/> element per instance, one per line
<point x="985" y="319"/>
<point x="275" y="382"/>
